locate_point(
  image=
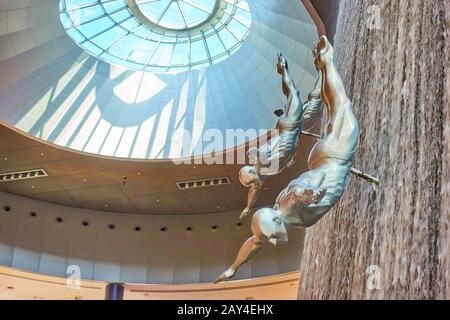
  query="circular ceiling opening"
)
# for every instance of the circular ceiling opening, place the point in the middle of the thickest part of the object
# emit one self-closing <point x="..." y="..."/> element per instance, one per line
<point x="177" y="14"/>
<point x="158" y="35"/>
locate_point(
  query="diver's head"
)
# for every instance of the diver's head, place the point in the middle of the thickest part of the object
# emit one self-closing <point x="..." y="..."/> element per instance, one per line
<point x="248" y="176"/>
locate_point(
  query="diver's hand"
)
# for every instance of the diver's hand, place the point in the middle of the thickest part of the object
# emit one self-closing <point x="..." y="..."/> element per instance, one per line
<point x="226" y="275"/>
<point x="290" y="163"/>
<point x="245" y="213"/>
<point x="310" y="196"/>
<point x="282" y="65"/>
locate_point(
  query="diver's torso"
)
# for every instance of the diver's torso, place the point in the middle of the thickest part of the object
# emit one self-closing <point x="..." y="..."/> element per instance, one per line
<point x="283" y="146"/>
<point x="299" y="215"/>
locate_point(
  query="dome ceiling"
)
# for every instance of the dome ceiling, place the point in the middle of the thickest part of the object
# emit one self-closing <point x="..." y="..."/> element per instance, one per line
<point x="56" y="91"/>
<point x="158" y="36"/>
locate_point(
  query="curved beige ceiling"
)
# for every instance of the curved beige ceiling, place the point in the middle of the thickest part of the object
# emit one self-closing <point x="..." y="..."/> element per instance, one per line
<point x="118" y="185"/>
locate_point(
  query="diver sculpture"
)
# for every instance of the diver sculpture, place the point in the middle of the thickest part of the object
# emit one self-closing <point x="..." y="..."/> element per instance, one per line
<point x="309" y="197"/>
<point x="278" y="153"/>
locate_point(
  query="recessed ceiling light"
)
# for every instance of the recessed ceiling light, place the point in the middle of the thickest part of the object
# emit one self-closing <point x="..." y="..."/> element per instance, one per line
<point x="183" y="185"/>
<point x="106" y="205"/>
<point x="157" y="200"/>
<point x="139" y="174"/>
<point x="42" y="154"/>
<point x="218" y="207"/>
<point x="32" y="187"/>
<point x="23" y="175"/>
<point x="84" y="180"/>
<point x="5" y="158"/>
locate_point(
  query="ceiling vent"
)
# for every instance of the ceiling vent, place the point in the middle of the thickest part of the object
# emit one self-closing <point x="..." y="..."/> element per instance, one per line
<point x="23" y="175"/>
<point x="184" y="185"/>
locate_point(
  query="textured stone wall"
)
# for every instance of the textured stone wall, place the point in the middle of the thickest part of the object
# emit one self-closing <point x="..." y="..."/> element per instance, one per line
<point x="397" y="75"/>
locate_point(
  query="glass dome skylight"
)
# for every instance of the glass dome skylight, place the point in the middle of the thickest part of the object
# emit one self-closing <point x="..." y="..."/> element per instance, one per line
<point x="158" y="35"/>
<point x="177" y="14"/>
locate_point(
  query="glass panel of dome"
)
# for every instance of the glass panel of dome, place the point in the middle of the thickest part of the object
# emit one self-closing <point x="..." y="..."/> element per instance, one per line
<point x="227" y="38"/>
<point x="75" y="4"/>
<point x="87" y="15"/>
<point x="177" y="14"/>
<point x="196" y="33"/>
<point x="215" y="45"/>
<point x="141" y="56"/>
<point x="198" y="52"/>
<point x="195" y="14"/>
<point x="163" y="55"/>
<point x="95" y="27"/>
<point x="113" y="6"/>
<point x="93" y="48"/>
<point x="130" y="24"/>
<point x="154" y="10"/>
<point x="181" y="54"/>
<point x="173" y="18"/>
<point x="237" y="28"/>
<point x="120" y="16"/>
<point x="123" y="47"/>
<point x="106" y="39"/>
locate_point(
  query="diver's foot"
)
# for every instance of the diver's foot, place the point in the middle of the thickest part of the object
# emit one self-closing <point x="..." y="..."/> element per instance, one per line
<point x="227" y="275"/>
<point x="323" y="53"/>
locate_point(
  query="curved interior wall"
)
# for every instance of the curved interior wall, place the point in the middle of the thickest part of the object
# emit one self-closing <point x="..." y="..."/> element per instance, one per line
<point x="46" y="238"/>
<point x="395" y="237"/>
<point x="53" y="90"/>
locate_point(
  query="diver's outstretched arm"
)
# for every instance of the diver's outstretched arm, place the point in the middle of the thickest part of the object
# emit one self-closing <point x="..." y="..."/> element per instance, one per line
<point x="252" y="197"/>
<point x="287" y="85"/>
<point x="249" y="249"/>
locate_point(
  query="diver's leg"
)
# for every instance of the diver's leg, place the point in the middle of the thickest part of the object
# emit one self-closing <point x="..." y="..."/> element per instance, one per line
<point x="332" y="88"/>
<point x="341" y="122"/>
<point x="267" y="226"/>
<point x="249" y="249"/>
